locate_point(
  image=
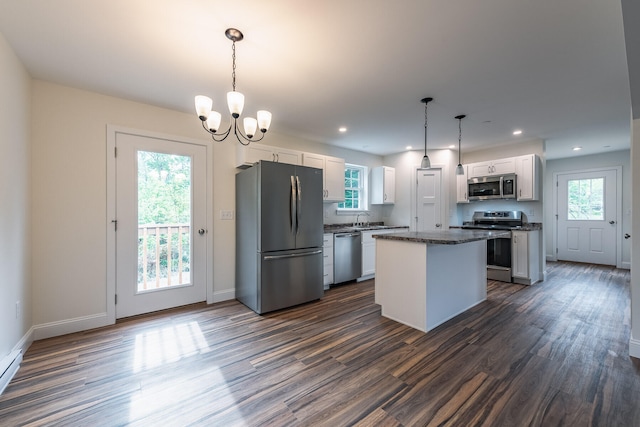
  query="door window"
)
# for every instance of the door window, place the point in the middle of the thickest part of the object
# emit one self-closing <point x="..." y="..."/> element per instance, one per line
<point x="164" y="217"/>
<point x="585" y="199"/>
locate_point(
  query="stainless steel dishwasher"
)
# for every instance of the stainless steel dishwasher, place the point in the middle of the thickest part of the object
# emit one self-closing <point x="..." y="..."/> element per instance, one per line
<point x="347" y="256"/>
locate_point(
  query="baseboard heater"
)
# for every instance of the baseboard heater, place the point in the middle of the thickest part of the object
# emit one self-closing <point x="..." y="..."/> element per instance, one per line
<point x="8" y="367"/>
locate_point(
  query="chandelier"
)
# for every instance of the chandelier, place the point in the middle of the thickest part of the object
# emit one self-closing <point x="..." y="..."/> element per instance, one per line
<point x="235" y="101"/>
<point x="426" y="163"/>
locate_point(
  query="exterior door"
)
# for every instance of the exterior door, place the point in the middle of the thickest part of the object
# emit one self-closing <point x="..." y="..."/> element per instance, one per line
<point x="587" y="216"/>
<point x="428" y="199"/>
<point x="161" y="211"/>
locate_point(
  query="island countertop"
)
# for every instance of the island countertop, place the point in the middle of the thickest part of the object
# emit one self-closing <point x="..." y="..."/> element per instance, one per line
<point x="453" y="236"/>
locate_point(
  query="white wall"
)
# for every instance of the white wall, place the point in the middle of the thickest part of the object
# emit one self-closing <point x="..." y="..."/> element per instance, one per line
<point x="15" y="87"/>
<point x="615" y="158"/>
<point x="69" y="198"/>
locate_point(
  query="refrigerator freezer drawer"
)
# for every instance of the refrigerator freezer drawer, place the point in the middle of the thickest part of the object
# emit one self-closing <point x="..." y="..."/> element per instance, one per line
<point x="290" y="278"/>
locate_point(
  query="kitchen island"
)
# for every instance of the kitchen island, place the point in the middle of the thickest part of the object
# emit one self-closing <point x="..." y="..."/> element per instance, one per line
<point x="424" y="279"/>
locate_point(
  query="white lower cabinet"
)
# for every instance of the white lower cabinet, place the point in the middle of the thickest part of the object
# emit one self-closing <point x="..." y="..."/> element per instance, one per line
<point x="327" y="249"/>
<point x="369" y="250"/>
<point x="525" y="257"/>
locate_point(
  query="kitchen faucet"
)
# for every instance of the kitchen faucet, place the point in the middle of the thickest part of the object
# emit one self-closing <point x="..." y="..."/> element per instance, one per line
<point x="356" y="223"/>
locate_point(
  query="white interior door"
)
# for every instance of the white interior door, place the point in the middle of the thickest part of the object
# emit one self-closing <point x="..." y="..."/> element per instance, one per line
<point x="428" y="199"/>
<point x="161" y="213"/>
<point x="587" y="216"/>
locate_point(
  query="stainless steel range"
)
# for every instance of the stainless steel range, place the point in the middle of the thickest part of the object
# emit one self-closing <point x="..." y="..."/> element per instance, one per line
<point x="498" y="250"/>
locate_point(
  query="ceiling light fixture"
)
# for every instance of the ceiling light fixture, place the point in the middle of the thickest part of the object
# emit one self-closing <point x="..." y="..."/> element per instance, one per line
<point x="342" y="129"/>
<point x="426" y="163"/>
<point x="517" y="132"/>
<point x="459" y="168"/>
<point x="408" y="147"/>
<point x="235" y="101"/>
<point x="577" y="148"/>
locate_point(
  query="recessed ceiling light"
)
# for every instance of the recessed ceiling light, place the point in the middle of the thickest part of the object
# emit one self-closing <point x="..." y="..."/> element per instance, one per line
<point x="517" y="132"/>
<point x="342" y="129"/>
<point x="409" y="147"/>
<point x="452" y="146"/>
<point x="577" y="148"/>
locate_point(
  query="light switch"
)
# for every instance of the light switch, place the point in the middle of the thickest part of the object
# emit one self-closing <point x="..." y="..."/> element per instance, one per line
<point x="226" y="215"/>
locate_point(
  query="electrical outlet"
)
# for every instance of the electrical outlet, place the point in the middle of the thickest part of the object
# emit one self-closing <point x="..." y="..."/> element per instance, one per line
<point x="17" y="309"/>
<point x="226" y="215"/>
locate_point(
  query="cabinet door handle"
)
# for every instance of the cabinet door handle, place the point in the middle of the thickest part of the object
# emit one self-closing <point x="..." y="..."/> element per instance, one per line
<point x="612" y="222"/>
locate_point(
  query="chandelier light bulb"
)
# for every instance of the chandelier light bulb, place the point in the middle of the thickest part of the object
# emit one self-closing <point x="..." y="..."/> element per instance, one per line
<point x="235" y="101"/>
<point x="213" y="122"/>
<point x="264" y="120"/>
<point x="203" y="106"/>
<point x="250" y="126"/>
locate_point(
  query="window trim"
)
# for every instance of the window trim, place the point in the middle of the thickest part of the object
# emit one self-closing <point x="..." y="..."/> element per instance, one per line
<point x="364" y="191"/>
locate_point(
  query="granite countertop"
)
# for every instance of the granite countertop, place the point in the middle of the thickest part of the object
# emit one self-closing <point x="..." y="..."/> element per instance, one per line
<point x="345" y="228"/>
<point x="446" y="237"/>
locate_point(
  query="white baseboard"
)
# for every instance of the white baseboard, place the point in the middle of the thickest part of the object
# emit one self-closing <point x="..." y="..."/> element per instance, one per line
<point x="225" y="295"/>
<point x="625" y="265"/>
<point x="634" y="348"/>
<point x="8" y="367"/>
<point x="69" y="326"/>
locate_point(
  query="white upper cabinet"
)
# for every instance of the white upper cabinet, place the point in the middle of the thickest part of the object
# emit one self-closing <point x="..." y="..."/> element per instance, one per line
<point x="248" y="155"/>
<point x="462" y="195"/>
<point x="333" y="175"/>
<point x="528" y="177"/>
<point x="493" y="167"/>
<point x="383" y="185"/>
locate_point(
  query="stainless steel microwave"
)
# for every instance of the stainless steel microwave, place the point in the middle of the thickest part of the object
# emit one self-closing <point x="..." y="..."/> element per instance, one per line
<point x="492" y="187"/>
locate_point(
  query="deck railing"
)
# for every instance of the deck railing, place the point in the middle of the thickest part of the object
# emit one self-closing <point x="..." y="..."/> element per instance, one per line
<point x="163" y="255"/>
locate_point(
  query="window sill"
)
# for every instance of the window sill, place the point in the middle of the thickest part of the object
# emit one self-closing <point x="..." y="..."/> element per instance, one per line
<point x="345" y="212"/>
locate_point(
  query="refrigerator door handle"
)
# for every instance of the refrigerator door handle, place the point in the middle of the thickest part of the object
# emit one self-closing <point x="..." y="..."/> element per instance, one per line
<point x="299" y="204"/>
<point x="292" y="207"/>
<point x="272" y="257"/>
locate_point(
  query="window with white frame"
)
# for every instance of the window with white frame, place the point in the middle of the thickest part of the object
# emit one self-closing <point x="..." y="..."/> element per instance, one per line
<point x="355" y="178"/>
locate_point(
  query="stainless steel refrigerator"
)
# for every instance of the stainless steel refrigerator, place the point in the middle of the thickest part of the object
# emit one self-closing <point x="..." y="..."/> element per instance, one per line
<point x="279" y="233"/>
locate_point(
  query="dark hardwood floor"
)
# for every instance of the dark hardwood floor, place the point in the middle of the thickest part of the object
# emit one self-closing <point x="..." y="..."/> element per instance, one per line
<point x="555" y="353"/>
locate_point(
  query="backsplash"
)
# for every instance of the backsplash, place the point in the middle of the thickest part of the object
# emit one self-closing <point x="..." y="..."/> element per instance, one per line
<point x="532" y="210"/>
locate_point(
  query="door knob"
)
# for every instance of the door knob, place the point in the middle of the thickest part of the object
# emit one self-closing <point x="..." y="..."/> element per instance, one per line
<point x="612" y="222"/>
<point x="627" y="235"/>
<point x="202" y="231"/>
<point x="438" y="225"/>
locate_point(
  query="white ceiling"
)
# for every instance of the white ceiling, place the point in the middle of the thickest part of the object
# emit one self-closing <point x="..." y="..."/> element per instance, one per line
<point x="555" y="69"/>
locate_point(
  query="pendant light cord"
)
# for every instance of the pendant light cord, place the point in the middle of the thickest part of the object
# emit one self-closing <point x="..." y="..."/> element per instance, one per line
<point x="425" y="128"/>
<point x="459" y="138"/>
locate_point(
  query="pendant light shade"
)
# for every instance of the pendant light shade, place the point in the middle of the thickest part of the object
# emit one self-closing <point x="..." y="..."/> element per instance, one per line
<point x="459" y="168"/>
<point x="426" y="163"/>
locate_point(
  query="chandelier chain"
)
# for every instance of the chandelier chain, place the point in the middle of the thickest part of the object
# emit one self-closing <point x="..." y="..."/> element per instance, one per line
<point x="233" y="72"/>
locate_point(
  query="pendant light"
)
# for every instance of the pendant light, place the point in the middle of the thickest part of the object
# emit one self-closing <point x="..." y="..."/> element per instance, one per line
<point x="459" y="168"/>
<point x="426" y="163"/>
